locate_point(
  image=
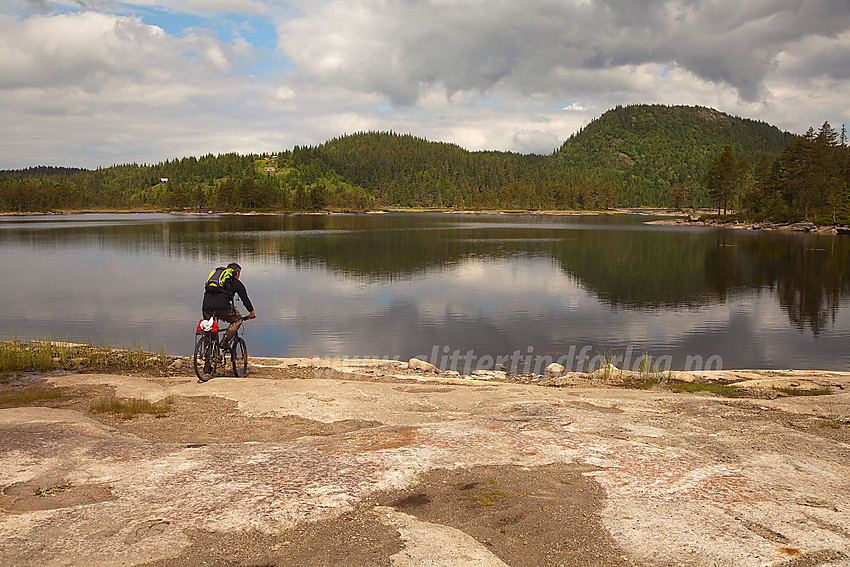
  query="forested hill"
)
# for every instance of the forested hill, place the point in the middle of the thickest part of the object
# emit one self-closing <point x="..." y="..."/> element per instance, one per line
<point x="646" y="150"/>
<point x="649" y="155"/>
<point x="409" y="171"/>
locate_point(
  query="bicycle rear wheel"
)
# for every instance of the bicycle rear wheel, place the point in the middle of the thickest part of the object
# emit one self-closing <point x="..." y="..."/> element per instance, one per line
<point x="239" y="357"/>
<point x="204" y="359"/>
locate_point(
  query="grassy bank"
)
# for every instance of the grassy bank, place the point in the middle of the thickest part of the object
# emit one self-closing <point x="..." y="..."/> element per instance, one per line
<point x="46" y="355"/>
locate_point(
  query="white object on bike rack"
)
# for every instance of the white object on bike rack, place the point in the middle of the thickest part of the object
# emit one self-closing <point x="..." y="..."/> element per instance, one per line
<point x="207" y="324"/>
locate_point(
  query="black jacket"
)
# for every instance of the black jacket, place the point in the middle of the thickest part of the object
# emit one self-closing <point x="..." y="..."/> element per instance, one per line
<point x="223" y="297"/>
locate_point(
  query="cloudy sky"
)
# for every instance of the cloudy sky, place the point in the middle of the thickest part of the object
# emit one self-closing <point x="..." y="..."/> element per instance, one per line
<point x="98" y="82"/>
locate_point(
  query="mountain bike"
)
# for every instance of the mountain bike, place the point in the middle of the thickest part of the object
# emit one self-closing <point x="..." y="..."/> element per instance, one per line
<point x="209" y="357"/>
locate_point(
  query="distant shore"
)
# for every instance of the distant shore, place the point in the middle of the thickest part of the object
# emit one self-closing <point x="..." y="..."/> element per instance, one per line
<point x="382" y="210"/>
<point x="673" y="217"/>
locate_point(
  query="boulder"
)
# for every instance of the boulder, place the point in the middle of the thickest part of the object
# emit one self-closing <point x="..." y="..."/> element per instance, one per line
<point x="555" y="369"/>
<point x="490" y="374"/>
<point x="416" y="364"/>
<point x="607" y="371"/>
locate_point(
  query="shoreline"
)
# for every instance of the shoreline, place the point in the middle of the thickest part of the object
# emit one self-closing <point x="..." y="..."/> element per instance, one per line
<point x="609" y="375"/>
<point x="674" y="217"/>
<point x="384" y="210"/>
<point x="766" y="226"/>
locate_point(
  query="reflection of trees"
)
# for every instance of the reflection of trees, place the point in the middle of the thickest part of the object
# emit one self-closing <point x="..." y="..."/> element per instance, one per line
<point x="813" y="285"/>
<point x="638" y="268"/>
<point x="651" y="269"/>
<point x="810" y="274"/>
<point x="661" y="269"/>
<point x="645" y="269"/>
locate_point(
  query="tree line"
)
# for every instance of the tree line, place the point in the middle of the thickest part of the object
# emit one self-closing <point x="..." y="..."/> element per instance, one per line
<point x="640" y="155"/>
<point x="406" y="171"/>
<point x="808" y="180"/>
<point x="228" y="182"/>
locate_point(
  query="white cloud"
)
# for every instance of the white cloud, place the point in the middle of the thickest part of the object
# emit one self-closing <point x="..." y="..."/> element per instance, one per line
<point x="602" y="50"/>
<point x="83" y="48"/>
<point x="96" y="78"/>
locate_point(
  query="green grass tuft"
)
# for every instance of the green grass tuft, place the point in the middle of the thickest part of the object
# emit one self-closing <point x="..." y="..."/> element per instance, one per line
<point x="42" y="355"/>
<point x="128" y="408"/>
<point x="30" y="396"/>
<point x="51" y="490"/>
<point x="793" y="392"/>
<point x="488" y="498"/>
<point x="720" y="390"/>
<point x="16" y="356"/>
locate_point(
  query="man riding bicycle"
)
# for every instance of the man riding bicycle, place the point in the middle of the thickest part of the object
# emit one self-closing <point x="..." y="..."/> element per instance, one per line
<point x="221" y="285"/>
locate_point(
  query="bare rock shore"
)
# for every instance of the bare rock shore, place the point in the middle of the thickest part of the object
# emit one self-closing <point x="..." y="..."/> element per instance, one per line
<point x="762" y="226"/>
<point x="335" y="462"/>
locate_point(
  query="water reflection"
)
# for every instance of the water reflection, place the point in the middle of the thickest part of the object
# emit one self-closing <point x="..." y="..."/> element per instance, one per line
<point x="399" y="284"/>
<point x="670" y="269"/>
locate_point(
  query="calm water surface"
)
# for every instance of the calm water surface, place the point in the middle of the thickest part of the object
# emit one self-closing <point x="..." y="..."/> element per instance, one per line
<point x="456" y="289"/>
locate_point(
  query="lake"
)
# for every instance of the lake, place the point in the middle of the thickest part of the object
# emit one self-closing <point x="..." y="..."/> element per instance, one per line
<point x="464" y="291"/>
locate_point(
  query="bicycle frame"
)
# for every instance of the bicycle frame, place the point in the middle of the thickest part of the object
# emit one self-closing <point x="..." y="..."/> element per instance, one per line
<point x="209" y="356"/>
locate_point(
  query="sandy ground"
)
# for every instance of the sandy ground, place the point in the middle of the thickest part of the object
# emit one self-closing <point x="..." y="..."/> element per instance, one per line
<point x="320" y="462"/>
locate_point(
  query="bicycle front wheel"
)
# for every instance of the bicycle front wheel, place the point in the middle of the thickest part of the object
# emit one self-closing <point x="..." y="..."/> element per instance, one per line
<point x="204" y="359"/>
<point x="239" y="357"/>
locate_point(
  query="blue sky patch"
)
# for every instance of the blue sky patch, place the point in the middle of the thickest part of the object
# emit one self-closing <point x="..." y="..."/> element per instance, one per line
<point x="259" y="31"/>
<point x="493" y="102"/>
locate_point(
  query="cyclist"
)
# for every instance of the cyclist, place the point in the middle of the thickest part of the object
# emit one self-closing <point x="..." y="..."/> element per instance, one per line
<point x="221" y="285"/>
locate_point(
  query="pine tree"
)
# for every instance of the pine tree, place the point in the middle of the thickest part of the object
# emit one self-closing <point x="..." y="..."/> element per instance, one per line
<point x="722" y="179"/>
